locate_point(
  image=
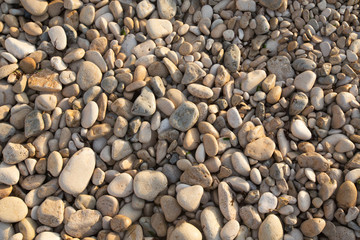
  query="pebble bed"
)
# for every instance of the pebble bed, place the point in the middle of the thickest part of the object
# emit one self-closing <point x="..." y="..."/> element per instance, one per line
<point x="179" y="119"/>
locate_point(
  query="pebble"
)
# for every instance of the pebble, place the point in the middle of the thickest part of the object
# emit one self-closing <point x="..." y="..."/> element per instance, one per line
<point x="45" y="80"/>
<point x="346" y="195"/>
<point x="280" y="66"/>
<point x="166" y="9"/>
<point x="267" y="203"/>
<point x="170" y="207"/>
<point x="186" y="231"/>
<point x="46" y="102"/>
<point x="305" y="81"/>
<point x="312" y="227"/>
<point x="121" y="186"/>
<point x="250" y="216"/>
<point x="48" y="235"/>
<point x="313" y="160"/>
<point x="158" y="28"/>
<point x="28" y="65"/>
<point x="184" y="117"/>
<point x="303" y="64"/>
<point x="189" y="197"/>
<point x="228" y="205"/>
<point x="148" y="184"/>
<point x="89" y="114"/>
<point x="233" y="117"/>
<point x="89" y="75"/>
<point x="120" y="149"/>
<point x="19" y="48"/>
<point x="232" y="53"/>
<point x="144" y="104"/>
<point x="120" y="223"/>
<point x="252" y="81"/>
<point x="14" y="153"/>
<point x="58" y="37"/>
<point x="36" y="8"/>
<point x="51" y="212"/>
<point x="230" y="230"/>
<point x="193" y="72"/>
<point x="211" y="221"/>
<point x="83" y="223"/>
<point x="260" y="149"/>
<point x="246" y="5"/>
<point x="79" y="170"/>
<point x="271" y="228"/>
<point x="300" y="130"/>
<point x="9" y="174"/>
<point x="13" y="209"/>
<point x="303" y="200"/>
<point x="200" y="91"/>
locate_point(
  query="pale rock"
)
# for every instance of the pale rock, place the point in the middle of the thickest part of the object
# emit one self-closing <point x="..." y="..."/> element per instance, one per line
<point x="267" y="203"/>
<point x="271" y="228"/>
<point x="77" y="173"/>
<point x="305" y="81"/>
<point x="148" y="184"/>
<point x="252" y="80"/>
<point x="211" y="222"/>
<point x="58" y="37"/>
<point x="300" y="130"/>
<point x="121" y="186"/>
<point x="19" y="48"/>
<point x="158" y="28"/>
<point x="121" y="149"/>
<point x="304" y="200"/>
<point x="89" y="114"/>
<point x="12" y="210"/>
<point x="189" y="197"/>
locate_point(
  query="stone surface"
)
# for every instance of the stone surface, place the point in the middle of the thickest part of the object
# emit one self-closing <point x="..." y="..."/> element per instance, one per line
<point x="280" y="65"/>
<point x="185" y="230"/>
<point x="19" y="48"/>
<point x="148" y="184"/>
<point x="184" y="117"/>
<point x="312" y="227"/>
<point x="89" y="75"/>
<point x="121" y="186"/>
<point x="78" y="171"/>
<point x="83" y="223"/>
<point x="158" y="28"/>
<point x="271" y="228"/>
<point x="193" y="73"/>
<point x="45" y="80"/>
<point x="189" y="197"/>
<point x="346" y="195"/>
<point x="51" y="212"/>
<point x="144" y="104"/>
<point x="12" y="210"/>
<point x="260" y="149"/>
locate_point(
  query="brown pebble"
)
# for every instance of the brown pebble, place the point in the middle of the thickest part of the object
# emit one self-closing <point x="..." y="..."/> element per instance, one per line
<point x="120" y="223"/>
<point x="346" y="195"/>
<point x="28" y="65"/>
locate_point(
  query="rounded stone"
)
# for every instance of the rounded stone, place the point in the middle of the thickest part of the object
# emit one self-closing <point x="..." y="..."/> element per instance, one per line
<point x="185" y="116"/>
<point x="271" y="228"/>
<point x="12" y="209"/>
<point x="28" y="65"/>
<point x="89" y="75"/>
<point x="312" y="227"/>
<point x="148" y="184"/>
<point x="121" y="186"/>
<point x="77" y="173"/>
<point x="120" y="223"/>
<point x="89" y="114"/>
<point x="346" y="195"/>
